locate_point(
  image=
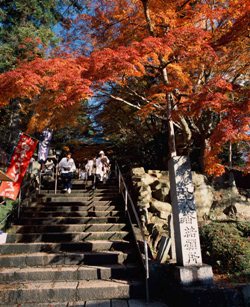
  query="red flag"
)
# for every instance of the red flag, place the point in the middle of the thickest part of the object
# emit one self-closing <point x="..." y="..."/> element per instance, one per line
<point x="18" y="166"/>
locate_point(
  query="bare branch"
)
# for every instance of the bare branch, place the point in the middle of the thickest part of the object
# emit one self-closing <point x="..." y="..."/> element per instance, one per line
<point x="124" y="101"/>
<point x="136" y="94"/>
<point x="165" y="76"/>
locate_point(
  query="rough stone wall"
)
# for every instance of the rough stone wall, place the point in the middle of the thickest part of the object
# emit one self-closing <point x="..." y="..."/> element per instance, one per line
<point x="154" y="203"/>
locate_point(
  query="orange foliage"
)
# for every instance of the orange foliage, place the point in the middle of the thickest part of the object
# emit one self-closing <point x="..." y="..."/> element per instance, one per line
<point x="233" y="128"/>
<point x="46" y="113"/>
<point x="61" y="78"/>
<point x="200" y="45"/>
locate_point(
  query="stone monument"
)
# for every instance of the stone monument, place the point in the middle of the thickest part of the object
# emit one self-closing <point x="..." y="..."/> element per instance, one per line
<point x="189" y="269"/>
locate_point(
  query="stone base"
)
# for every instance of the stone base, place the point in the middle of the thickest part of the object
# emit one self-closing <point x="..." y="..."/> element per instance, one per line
<point x="193" y="275"/>
<point x="3" y="237"/>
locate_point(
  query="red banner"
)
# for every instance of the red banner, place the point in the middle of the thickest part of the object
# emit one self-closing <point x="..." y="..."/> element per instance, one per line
<point x="18" y="166"/>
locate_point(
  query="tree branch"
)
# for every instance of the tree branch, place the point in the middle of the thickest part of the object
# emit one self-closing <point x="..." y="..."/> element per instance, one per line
<point x="136" y="94"/>
<point x="148" y="18"/>
<point x="124" y="101"/>
<point x="187" y="131"/>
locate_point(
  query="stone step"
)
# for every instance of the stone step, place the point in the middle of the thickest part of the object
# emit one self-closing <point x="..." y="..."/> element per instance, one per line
<point x="86" y="189"/>
<point x="69" y="273"/>
<point x="82" y="213"/>
<point x="109" y="183"/>
<point x="74" y="198"/>
<point x="54" y="259"/>
<point x="107" y="186"/>
<point x="77" y="181"/>
<point x="81" y="198"/>
<point x="78" y="193"/>
<point x="72" y="208"/>
<point x="86" y="246"/>
<point x="70" y="220"/>
<point x="83" y="191"/>
<point x="50" y="292"/>
<point x="67" y="237"/>
<point x="98" y="303"/>
<point x="67" y="228"/>
<point x="64" y="205"/>
<point x="80" y="186"/>
<point x="77" y="203"/>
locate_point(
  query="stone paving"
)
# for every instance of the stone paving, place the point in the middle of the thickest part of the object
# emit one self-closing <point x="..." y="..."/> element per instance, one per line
<point x="98" y="303"/>
<point x="69" y="250"/>
<point x="121" y="303"/>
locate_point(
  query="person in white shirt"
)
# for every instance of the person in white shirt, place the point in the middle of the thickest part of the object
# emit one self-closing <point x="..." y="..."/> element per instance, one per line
<point x="102" y="167"/>
<point x="89" y="167"/>
<point x="82" y="173"/>
<point x="67" y="167"/>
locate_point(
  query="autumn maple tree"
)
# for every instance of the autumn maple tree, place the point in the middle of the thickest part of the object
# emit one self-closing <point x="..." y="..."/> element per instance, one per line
<point x="183" y="62"/>
<point x="26" y="32"/>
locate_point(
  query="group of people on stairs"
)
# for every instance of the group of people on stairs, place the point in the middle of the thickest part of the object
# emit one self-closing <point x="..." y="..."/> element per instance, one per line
<point x="98" y="167"/>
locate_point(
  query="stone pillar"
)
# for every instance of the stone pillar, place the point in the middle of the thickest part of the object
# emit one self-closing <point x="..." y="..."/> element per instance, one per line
<point x="187" y="242"/>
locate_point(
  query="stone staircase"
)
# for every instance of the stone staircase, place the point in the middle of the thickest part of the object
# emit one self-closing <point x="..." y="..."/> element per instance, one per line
<point x="68" y="249"/>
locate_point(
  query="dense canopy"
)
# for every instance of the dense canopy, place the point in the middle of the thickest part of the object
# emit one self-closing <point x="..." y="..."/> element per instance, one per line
<point x="150" y="62"/>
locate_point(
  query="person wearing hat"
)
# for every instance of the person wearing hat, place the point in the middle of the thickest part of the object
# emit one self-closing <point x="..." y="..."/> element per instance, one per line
<point x="102" y="166"/>
<point x="49" y="166"/>
<point x="67" y="167"/>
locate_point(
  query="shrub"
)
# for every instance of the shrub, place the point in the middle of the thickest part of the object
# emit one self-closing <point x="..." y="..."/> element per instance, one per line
<point x="225" y="246"/>
<point x="244" y="228"/>
<point x="6" y="213"/>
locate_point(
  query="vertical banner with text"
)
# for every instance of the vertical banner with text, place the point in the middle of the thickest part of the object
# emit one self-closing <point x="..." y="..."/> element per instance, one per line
<point x="18" y="166"/>
<point x="44" y="145"/>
